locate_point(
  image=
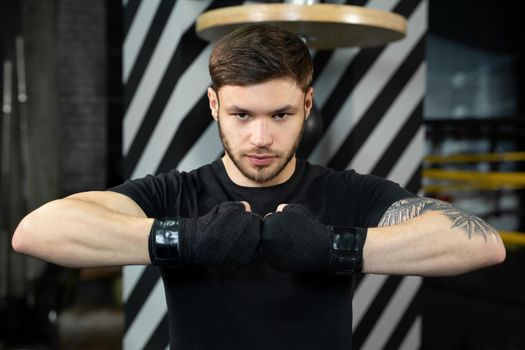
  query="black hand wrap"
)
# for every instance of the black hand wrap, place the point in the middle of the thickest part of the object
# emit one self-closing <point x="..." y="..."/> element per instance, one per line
<point x="164" y="242"/>
<point x="295" y="241"/>
<point x="227" y="236"/>
<point x="346" y="255"/>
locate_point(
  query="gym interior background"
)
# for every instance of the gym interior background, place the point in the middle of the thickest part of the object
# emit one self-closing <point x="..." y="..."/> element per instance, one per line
<point x="65" y="95"/>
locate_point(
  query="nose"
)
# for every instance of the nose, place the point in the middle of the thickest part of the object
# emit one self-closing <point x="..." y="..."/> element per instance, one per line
<point x="260" y="135"/>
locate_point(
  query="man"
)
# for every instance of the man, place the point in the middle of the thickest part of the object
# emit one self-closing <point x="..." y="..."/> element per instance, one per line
<point x="259" y="250"/>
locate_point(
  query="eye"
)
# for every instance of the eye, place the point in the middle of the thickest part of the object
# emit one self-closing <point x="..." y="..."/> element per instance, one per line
<point x="280" y="116"/>
<point x="242" y="116"/>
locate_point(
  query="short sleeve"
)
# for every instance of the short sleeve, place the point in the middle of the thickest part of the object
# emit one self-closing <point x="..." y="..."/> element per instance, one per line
<point x="376" y="195"/>
<point x="153" y="194"/>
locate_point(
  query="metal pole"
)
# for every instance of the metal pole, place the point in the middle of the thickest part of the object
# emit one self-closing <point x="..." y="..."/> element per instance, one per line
<point x="7" y="108"/>
<point x="33" y="267"/>
<point x="24" y="130"/>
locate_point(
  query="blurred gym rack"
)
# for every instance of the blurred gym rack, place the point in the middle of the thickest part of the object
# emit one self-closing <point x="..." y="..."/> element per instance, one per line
<point x="483" y="156"/>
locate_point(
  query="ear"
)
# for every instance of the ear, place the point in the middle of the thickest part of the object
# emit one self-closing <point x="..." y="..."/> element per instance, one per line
<point x="308" y="101"/>
<point x="213" y="102"/>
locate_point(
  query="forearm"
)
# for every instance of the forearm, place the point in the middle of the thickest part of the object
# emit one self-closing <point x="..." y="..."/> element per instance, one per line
<point x="77" y="233"/>
<point x="431" y="245"/>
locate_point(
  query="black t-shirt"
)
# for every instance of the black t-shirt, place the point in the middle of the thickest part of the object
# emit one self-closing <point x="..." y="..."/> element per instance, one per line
<point x="257" y="307"/>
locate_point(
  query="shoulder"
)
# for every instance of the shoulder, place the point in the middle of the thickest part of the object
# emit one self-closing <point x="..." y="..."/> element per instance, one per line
<point x="316" y="171"/>
<point x="366" y="197"/>
<point x="176" y="177"/>
<point x="348" y="178"/>
<point x="156" y="194"/>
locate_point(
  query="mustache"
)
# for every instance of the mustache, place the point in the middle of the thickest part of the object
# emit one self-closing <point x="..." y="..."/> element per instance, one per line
<point x="261" y="151"/>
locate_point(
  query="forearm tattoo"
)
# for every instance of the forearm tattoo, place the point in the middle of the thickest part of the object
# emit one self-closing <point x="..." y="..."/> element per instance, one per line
<point x="409" y="208"/>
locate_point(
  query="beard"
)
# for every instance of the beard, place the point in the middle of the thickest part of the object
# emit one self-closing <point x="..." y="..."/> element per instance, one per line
<point x="260" y="174"/>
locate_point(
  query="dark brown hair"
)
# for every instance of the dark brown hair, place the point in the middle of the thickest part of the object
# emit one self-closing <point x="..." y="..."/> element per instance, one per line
<point x="256" y="53"/>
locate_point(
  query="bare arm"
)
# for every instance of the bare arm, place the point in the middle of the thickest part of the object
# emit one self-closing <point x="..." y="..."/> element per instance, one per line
<point x="89" y="229"/>
<point x="424" y="236"/>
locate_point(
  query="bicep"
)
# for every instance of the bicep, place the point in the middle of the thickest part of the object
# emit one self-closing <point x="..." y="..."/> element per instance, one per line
<point x="111" y="200"/>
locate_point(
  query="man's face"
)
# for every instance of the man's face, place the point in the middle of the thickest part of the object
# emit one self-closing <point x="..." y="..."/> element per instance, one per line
<point x="260" y="128"/>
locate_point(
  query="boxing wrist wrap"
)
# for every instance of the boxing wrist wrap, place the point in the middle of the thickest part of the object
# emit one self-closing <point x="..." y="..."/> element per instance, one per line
<point x="346" y="255"/>
<point x="164" y="243"/>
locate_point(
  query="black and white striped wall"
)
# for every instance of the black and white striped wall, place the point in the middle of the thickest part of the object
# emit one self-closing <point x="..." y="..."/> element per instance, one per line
<point x="371" y="101"/>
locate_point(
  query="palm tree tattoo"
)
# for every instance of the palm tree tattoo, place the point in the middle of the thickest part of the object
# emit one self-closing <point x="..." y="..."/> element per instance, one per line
<point x="410" y="208"/>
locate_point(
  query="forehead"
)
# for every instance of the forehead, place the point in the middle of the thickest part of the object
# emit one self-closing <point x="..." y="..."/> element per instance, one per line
<point x="270" y="94"/>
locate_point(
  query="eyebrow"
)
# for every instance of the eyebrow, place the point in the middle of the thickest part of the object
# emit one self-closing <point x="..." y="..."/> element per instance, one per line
<point x="283" y="109"/>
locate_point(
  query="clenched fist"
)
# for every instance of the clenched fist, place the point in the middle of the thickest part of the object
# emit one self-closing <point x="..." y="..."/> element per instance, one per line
<point x="294" y="240"/>
<point x="227" y="236"/>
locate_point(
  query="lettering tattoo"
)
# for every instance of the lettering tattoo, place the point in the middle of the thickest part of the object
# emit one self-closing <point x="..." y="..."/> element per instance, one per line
<point x="410" y="208"/>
